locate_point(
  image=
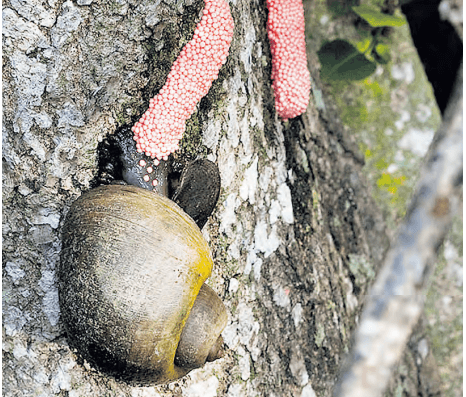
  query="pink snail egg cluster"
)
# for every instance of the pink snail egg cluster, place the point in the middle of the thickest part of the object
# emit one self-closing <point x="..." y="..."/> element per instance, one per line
<point x="290" y="75"/>
<point x="159" y="130"/>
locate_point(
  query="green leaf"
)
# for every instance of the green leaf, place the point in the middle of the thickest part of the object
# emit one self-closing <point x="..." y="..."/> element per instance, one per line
<point x="375" y="18"/>
<point x="341" y="61"/>
<point x="364" y="44"/>
<point x="382" y="53"/>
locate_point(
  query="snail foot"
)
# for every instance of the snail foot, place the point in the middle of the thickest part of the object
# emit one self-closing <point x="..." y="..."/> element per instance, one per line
<point x="118" y="159"/>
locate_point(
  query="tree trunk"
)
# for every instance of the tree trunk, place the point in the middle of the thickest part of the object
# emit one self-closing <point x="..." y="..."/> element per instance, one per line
<point x="296" y="236"/>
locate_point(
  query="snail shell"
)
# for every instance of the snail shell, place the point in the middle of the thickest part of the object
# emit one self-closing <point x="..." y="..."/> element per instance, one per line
<point x="132" y="265"/>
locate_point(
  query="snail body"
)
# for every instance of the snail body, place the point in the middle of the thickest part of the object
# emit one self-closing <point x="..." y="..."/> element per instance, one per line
<point x="131" y="286"/>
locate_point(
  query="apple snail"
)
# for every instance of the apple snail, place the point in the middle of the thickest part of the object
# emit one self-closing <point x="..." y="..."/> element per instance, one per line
<point x="132" y="278"/>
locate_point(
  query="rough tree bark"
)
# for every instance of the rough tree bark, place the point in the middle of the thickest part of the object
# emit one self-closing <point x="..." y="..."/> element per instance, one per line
<point x="296" y="236"/>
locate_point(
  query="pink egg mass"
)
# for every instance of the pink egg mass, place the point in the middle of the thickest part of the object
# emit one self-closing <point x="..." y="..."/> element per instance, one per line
<point x="159" y="130"/>
<point x="290" y="75"/>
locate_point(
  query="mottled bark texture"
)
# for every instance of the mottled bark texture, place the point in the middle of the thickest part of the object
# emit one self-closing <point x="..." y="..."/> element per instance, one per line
<point x="296" y="237"/>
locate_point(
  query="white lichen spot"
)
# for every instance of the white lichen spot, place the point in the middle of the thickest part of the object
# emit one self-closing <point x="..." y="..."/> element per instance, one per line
<point x="450" y="252"/>
<point x="66" y="148"/>
<point x="253" y="263"/>
<point x="297" y="314"/>
<point x="14" y="271"/>
<point x="403" y="72"/>
<point x="233" y="126"/>
<point x="228" y="215"/>
<point x="33" y="11"/>
<point x="379" y="70"/>
<point x="281" y="297"/>
<point x="67" y="22"/>
<point x="274" y="211"/>
<point x="45" y="216"/>
<point x="248" y="187"/>
<point x="251" y="257"/>
<point x="47" y="280"/>
<point x="211" y="134"/>
<point x="230" y="335"/>
<point x="43" y="120"/>
<point x="284" y="198"/>
<point x="454" y="263"/>
<point x="66" y="183"/>
<point x="319" y="335"/>
<point x="265" y="177"/>
<point x="30" y="79"/>
<point x="50" y="304"/>
<point x="404" y="117"/>
<point x="205" y="388"/>
<point x="423" y="348"/>
<point x="233" y="285"/>
<point x="41" y="376"/>
<point x="235" y="390"/>
<point x="308" y="391"/>
<point x="399" y="157"/>
<point x="242" y="331"/>
<point x="61" y="378"/>
<point x="423" y="112"/>
<point x="417" y="141"/>
<point x="264" y="242"/>
<point x="392" y="168"/>
<point x="257" y="269"/>
<point x="14" y="320"/>
<point x="24" y="190"/>
<point x="324" y="19"/>
<point x="298" y="368"/>
<point x="247" y="325"/>
<point x="257" y="119"/>
<point x="144" y="392"/>
<point x="244" y="365"/>
<point x="281" y="173"/>
<point x="51" y="307"/>
<point x="226" y="162"/>
<point x="351" y="300"/>
<point x="446" y="302"/>
<point x="233" y="249"/>
<point x="69" y="115"/>
<point x="37" y="148"/>
<point x="248" y="38"/>
<point x="153" y="13"/>
<point x="318" y="98"/>
<point x="248" y="150"/>
<point x="20" y="34"/>
<point x="19" y="350"/>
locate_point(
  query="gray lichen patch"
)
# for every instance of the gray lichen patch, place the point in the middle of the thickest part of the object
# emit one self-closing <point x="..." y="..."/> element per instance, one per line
<point x="362" y="270"/>
<point x="35" y="12"/>
<point x="20" y="34"/>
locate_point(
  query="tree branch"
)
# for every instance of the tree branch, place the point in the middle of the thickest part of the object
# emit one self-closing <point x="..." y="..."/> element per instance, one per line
<point x="397" y="298"/>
